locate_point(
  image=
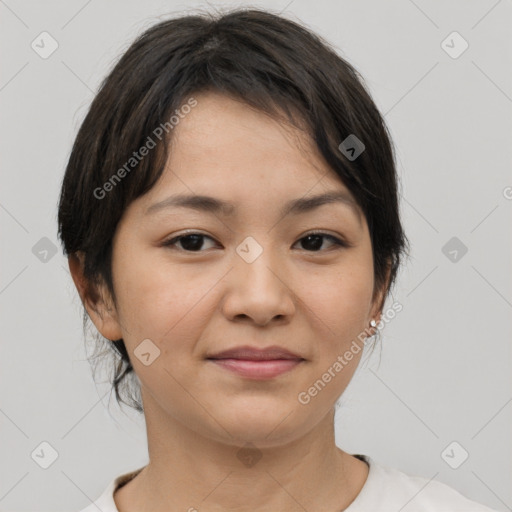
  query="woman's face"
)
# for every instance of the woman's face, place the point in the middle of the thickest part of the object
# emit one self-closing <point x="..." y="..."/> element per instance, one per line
<point x="248" y="277"/>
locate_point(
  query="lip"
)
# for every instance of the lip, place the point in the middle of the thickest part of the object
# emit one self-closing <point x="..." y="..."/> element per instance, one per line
<point x="257" y="364"/>
<point x="258" y="370"/>
<point x="249" y="353"/>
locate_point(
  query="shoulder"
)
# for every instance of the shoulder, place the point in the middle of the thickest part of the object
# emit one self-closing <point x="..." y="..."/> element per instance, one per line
<point x="389" y="489"/>
<point x="106" y="503"/>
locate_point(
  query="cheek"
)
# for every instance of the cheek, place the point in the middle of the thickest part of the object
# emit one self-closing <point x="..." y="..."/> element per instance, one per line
<point x="159" y="300"/>
<point x="341" y="298"/>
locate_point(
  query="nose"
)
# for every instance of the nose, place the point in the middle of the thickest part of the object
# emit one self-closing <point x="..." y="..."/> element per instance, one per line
<point x="260" y="291"/>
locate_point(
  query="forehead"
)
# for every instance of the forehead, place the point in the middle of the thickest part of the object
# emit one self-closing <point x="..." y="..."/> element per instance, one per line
<point x="225" y="148"/>
<point x="222" y="130"/>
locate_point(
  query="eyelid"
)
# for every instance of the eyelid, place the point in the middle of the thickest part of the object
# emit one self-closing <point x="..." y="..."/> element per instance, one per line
<point x="341" y="238"/>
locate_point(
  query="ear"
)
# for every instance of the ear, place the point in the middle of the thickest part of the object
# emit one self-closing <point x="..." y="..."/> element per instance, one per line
<point x="379" y="297"/>
<point x="96" y="300"/>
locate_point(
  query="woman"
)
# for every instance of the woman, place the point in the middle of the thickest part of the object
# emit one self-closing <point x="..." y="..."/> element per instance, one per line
<point x="230" y="214"/>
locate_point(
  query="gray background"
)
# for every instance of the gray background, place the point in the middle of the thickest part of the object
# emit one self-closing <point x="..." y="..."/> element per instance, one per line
<point x="445" y="366"/>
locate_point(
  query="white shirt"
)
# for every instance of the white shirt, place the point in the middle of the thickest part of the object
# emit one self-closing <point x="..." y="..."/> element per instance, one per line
<point x="385" y="490"/>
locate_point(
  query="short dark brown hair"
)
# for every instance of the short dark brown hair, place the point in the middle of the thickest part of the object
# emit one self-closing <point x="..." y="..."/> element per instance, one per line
<point x="261" y="58"/>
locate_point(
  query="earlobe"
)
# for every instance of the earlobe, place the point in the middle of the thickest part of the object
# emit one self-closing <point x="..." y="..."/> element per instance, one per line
<point x="100" y="310"/>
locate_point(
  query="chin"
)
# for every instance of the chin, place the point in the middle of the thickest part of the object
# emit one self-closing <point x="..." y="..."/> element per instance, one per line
<point x="266" y="424"/>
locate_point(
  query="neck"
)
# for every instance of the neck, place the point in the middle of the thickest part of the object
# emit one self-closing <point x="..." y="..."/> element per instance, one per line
<point x="188" y="471"/>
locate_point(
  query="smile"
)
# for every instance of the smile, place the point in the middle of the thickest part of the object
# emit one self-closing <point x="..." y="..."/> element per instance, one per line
<point x="257" y="370"/>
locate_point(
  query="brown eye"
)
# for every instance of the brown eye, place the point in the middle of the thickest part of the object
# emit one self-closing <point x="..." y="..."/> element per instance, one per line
<point x="314" y="241"/>
<point x="192" y="242"/>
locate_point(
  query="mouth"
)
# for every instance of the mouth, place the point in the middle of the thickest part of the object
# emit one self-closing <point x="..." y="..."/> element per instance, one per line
<point x="257" y="364"/>
<point x="257" y="370"/>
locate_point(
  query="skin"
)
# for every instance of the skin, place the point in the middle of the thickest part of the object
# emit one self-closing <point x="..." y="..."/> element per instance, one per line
<point x="312" y="301"/>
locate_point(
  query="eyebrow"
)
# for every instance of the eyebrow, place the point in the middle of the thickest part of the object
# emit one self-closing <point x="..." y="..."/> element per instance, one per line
<point x="214" y="205"/>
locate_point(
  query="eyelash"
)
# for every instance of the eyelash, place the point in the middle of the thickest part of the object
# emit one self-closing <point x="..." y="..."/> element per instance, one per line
<point x="171" y="243"/>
